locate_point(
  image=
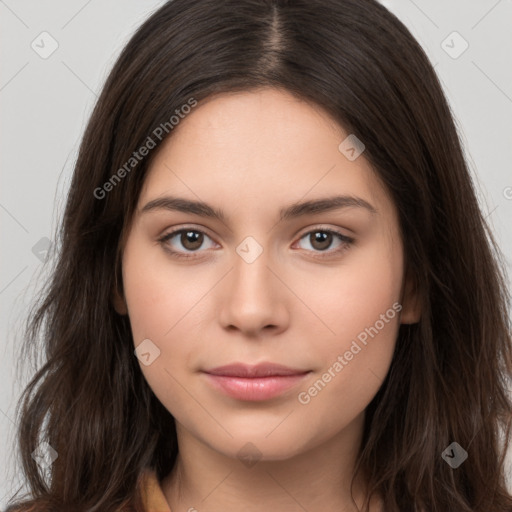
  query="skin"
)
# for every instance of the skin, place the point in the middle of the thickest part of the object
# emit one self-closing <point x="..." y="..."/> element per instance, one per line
<point x="297" y="304"/>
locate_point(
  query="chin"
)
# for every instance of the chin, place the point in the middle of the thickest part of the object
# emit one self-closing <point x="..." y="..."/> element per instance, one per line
<point x="257" y="447"/>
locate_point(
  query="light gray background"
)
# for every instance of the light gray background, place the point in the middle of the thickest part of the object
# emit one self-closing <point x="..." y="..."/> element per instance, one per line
<point x="46" y="102"/>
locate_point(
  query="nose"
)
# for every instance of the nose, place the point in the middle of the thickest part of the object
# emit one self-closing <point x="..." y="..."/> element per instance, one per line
<point x="254" y="298"/>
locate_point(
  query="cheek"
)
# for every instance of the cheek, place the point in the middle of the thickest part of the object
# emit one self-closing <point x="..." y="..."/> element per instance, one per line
<point x="160" y="295"/>
<point x="354" y="295"/>
<point x="353" y="370"/>
<point x="360" y="303"/>
<point x="164" y="309"/>
<point x="166" y="306"/>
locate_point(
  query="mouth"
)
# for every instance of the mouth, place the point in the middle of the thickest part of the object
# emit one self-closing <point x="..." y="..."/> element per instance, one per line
<point x="254" y="383"/>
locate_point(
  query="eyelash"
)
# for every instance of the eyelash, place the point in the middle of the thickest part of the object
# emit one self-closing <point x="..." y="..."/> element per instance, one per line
<point x="346" y="242"/>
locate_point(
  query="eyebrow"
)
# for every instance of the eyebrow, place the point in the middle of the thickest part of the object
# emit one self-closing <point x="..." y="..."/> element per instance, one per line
<point x="292" y="211"/>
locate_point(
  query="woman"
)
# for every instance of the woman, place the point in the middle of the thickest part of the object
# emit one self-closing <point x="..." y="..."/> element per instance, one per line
<point x="275" y="289"/>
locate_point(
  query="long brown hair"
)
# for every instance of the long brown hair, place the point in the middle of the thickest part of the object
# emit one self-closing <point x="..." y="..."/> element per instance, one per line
<point x="448" y="381"/>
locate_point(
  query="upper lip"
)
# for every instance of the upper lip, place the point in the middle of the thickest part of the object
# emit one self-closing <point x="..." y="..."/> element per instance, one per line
<point x="259" y="370"/>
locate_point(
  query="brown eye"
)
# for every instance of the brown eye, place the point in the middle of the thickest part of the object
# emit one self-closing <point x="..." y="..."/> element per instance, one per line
<point x="320" y="240"/>
<point x="191" y="240"/>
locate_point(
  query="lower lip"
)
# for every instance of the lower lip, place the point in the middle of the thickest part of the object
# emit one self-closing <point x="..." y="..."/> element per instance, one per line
<point x="256" y="388"/>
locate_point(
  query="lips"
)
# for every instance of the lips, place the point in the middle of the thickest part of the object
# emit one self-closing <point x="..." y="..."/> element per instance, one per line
<point x="254" y="383"/>
<point x="260" y="370"/>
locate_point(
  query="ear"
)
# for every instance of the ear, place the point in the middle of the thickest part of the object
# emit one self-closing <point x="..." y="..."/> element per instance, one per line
<point x="119" y="302"/>
<point x="411" y="301"/>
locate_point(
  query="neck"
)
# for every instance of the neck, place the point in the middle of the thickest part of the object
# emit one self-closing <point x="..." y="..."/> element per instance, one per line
<point x="316" y="479"/>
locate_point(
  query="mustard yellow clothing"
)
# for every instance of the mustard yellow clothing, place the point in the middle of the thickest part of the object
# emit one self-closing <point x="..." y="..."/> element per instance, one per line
<point x="153" y="496"/>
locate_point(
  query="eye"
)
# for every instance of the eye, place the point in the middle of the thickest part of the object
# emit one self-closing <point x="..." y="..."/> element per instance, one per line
<point x="191" y="240"/>
<point x="321" y="239"/>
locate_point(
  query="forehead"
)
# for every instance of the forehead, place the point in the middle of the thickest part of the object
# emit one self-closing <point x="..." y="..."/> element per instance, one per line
<point x="257" y="150"/>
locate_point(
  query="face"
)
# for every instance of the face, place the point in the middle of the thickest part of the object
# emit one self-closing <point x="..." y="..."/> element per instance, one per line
<point x="318" y="290"/>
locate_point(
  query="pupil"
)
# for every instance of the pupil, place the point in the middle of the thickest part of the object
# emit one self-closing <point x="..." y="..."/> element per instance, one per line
<point x="323" y="239"/>
<point x="192" y="238"/>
